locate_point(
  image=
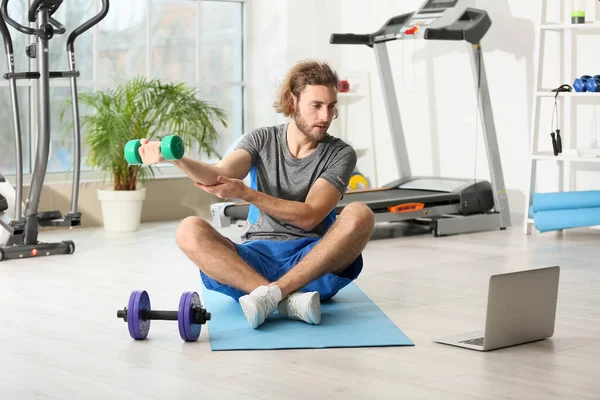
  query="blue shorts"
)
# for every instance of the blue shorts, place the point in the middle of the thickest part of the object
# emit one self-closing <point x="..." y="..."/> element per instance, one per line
<point x="272" y="259"/>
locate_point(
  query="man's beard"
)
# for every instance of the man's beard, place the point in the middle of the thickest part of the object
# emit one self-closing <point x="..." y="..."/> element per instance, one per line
<point x="306" y="129"/>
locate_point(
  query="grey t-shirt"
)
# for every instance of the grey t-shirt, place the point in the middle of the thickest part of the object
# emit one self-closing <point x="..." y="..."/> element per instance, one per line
<point x="277" y="173"/>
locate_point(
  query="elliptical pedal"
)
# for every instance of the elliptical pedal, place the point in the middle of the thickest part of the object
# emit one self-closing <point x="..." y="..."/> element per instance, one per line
<point x="55" y="219"/>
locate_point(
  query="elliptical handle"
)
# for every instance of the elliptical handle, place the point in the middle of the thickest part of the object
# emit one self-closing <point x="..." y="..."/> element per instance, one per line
<point x="23" y="29"/>
<point x="60" y="28"/>
<point x="86" y="25"/>
<point x="6" y="35"/>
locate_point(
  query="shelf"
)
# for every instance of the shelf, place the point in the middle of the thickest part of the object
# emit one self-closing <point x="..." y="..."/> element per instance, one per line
<point x="565" y="61"/>
<point x="570" y="94"/>
<point x="350" y="94"/>
<point x="350" y="97"/>
<point x="551" y="157"/>
<point x="574" y="27"/>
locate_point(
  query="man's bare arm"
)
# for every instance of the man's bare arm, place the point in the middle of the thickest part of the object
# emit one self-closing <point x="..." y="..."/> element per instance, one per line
<point x="321" y="199"/>
<point x="235" y="165"/>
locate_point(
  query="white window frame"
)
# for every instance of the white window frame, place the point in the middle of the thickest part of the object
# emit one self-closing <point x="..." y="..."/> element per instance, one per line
<point x="161" y="172"/>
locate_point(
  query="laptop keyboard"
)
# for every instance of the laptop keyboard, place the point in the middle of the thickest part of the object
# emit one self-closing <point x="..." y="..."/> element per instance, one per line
<point x="474" y="342"/>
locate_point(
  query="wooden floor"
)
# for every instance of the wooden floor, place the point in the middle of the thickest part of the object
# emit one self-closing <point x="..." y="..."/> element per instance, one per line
<point x="60" y="338"/>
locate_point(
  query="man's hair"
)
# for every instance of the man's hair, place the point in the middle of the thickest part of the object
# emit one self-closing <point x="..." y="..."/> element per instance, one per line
<point x="308" y="72"/>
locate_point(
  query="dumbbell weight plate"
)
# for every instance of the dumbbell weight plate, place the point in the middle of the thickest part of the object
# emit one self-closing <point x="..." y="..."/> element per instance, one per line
<point x="132" y="154"/>
<point x="187" y="329"/>
<point x="171" y="147"/>
<point x="138" y="301"/>
<point x="593" y="84"/>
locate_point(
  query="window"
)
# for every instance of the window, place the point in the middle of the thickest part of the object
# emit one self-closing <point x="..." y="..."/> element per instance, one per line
<point x="199" y="42"/>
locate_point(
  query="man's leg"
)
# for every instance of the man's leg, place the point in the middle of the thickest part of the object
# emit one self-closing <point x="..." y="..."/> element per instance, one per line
<point x="216" y="256"/>
<point x="334" y="253"/>
<point x="341" y="245"/>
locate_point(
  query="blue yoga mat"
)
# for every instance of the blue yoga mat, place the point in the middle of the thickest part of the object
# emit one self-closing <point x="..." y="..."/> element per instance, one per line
<point x="563" y="219"/>
<point x="566" y="200"/>
<point x="350" y="319"/>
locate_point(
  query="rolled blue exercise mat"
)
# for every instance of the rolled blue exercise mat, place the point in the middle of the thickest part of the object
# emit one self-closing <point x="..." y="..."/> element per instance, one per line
<point x="553" y="220"/>
<point x="566" y="200"/>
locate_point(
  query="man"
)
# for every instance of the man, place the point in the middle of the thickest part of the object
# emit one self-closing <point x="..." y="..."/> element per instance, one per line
<point x="295" y="252"/>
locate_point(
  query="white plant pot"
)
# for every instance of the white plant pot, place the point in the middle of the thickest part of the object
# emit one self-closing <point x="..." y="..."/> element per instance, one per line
<point x="121" y="209"/>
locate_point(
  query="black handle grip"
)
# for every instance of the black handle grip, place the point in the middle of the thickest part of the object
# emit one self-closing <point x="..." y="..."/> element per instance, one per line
<point x="5" y="33"/>
<point x="22" y="75"/>
<point x="87" y="25"/>
<point x="160" y="315"/>
<point x="23" y="29"/>
<point x="199" y="316"/>
<point x="349" y="38"/>
<point x="554" y="145"/>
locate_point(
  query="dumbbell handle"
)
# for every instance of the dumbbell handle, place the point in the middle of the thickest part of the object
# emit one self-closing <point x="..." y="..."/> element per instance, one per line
<point x="200" y="315"/>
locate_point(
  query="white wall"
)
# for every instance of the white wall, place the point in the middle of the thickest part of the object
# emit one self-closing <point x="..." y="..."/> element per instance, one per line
<point x="434" y="83"/>
<point x="267" y="22"/>
<point x="282" y="33"/>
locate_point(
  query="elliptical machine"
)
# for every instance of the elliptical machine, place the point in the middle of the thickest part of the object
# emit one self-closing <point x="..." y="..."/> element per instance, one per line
<point x="19" y="232"/>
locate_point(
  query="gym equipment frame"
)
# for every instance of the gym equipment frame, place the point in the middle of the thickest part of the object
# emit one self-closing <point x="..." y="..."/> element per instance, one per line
<point x="23" y="228"/>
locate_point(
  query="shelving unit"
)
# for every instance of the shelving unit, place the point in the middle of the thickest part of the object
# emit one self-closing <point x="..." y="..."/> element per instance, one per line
<point x="569" y="26"/>
<point x="565" y="100"/>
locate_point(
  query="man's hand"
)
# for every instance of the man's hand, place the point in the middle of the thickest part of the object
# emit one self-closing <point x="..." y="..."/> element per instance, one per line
<point x="150" y="152"/>
<point x="226" y="188"/>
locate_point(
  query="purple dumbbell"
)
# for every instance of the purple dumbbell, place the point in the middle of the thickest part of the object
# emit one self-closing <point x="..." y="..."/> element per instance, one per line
<point x="190" y="315"/>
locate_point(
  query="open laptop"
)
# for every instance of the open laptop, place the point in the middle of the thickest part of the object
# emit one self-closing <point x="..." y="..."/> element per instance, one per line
<point x="521" y="308"/>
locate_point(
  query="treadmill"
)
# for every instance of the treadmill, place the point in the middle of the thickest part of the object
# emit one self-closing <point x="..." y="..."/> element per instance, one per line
<point x="447" y="205"/>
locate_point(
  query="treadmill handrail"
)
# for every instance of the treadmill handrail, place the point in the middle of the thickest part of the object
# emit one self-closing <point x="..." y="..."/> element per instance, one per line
<point x="350" y="38"/>
<point x="478" y="21"/>
<point x="369" y="38"/>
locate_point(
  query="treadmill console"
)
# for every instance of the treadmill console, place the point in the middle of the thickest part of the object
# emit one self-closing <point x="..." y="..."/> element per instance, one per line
<point x="434" y="20"/>
<point x="438" y="4"/>
<point x="430" y="13"/>
<point x="446" y="20"/>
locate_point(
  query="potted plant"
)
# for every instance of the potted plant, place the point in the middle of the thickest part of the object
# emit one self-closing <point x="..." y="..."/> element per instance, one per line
<point x="140" y="108"/>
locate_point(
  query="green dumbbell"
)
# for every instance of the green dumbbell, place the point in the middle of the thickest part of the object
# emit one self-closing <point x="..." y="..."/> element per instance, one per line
<point x="171" y="148"/>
